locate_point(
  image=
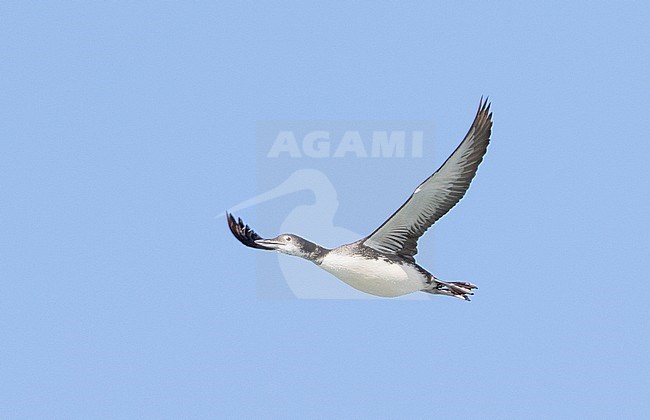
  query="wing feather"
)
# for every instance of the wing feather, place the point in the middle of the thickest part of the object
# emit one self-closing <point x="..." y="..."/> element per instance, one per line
<point x="437" y="194"/>
<point x="244" y="233"/>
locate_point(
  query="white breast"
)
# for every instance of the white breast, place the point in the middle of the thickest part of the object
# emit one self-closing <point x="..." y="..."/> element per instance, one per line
<point x="375" y="276"/>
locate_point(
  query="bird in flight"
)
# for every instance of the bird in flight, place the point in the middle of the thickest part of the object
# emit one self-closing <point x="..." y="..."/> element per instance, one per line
<point x="383" y="263"/>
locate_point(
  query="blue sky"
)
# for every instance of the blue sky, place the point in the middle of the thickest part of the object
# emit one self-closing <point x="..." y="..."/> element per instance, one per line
<point x="127" y="127"/>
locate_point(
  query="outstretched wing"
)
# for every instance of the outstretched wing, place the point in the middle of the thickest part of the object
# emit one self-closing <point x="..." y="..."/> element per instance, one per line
<point x="437" y="194"/>
<point x="244" y="233"/>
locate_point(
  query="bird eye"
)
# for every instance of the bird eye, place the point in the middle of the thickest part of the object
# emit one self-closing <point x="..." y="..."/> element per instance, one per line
<point x="288" y="238"/>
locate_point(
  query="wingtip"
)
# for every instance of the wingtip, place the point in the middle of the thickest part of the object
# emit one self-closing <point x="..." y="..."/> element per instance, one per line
<point x="243" y="233"/>
<point x="232" y="223"/>
<point x="484" y="114"/>
<point x="484" y="104"/>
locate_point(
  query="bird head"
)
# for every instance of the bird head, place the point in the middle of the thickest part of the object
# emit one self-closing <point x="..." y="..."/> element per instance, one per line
<point x="287" y="243"/>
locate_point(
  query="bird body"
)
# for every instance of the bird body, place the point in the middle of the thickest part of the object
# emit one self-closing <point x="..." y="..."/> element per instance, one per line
<point x="374" y="273"/>
<point x="383" y="263"/>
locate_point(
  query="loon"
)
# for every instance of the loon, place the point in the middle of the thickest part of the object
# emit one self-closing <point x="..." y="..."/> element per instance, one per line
<point x="383" y="263"/>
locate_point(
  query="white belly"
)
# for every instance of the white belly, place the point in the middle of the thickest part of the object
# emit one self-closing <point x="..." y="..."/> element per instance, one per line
<point x="377" y="277"/>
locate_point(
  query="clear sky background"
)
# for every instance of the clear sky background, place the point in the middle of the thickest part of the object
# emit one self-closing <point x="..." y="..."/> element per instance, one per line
<point x="128" y="126"/>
